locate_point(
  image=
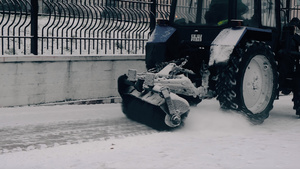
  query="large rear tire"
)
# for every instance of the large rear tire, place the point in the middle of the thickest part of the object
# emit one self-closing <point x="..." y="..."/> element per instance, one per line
<point x="248" y="83"/>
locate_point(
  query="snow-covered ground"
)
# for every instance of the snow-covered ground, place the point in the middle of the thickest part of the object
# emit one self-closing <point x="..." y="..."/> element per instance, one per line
<point x="210" y="139"/>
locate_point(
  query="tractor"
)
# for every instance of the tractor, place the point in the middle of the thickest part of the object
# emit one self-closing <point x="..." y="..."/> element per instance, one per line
<point x="244" y="53"/>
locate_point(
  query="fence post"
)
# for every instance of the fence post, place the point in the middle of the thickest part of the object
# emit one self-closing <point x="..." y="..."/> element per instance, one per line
<point x="34" y="26"/>
<point x="153" y="16"/>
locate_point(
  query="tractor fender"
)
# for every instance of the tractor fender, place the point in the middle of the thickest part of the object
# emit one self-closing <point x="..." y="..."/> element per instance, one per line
<point x="224" y="44"/>
<point x="161" y="34"/>
<point x="157" y="45"/>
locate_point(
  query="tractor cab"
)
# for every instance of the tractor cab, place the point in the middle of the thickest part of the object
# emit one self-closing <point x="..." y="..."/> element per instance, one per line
<point x="193" y="25"/>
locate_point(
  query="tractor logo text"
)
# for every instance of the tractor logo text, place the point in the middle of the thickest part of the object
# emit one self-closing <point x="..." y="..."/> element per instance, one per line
<point x="196" y="37"/>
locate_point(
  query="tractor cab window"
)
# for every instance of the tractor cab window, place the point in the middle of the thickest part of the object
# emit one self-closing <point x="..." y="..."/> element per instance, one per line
<point x="201" y="12"/>
<point x="268" y="13"/>
<point x="215" y="12"/>
<point x="246" y="12"/>
<point x="245" y="9"/>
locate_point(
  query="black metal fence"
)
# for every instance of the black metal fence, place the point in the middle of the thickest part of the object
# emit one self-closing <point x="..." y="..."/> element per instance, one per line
<point x="77" y="27"/>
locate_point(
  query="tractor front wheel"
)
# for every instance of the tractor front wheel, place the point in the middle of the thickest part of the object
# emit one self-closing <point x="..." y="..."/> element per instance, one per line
<point x="249" y="82"/>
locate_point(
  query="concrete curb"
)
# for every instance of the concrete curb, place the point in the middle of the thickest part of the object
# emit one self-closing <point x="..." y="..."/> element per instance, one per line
<point x="110" y="100"/>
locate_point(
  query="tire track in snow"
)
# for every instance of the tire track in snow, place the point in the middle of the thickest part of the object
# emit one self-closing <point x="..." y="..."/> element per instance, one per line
<point x="25" y="138"/>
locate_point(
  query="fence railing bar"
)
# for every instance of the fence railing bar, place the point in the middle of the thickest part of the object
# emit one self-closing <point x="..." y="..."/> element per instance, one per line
<point x="34" y="27"/>
<point x="15" y="36"/>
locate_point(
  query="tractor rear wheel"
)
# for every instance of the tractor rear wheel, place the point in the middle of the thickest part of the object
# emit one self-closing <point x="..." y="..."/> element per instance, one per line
<point x="248" y="84"/>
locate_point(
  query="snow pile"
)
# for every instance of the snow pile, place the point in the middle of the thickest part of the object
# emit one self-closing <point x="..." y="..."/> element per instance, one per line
<point x="213" y="121"/>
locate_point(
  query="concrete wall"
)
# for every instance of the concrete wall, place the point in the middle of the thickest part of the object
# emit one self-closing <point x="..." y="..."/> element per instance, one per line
<point x="27" y="80"/>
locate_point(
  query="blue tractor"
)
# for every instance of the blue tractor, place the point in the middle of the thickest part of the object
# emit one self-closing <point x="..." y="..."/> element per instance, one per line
<point x="242" y="52"/>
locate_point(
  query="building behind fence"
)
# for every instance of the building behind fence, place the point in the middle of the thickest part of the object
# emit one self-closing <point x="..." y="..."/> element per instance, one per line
<point x="78" y="27"/>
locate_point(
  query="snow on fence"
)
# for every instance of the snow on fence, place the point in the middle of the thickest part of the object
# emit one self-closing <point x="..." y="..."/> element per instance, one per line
<point x="72" y="27"/>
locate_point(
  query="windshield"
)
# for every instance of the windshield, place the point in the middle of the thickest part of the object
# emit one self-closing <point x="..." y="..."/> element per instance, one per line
<point x="209" y="12"/>
<point x="201" y="12"/>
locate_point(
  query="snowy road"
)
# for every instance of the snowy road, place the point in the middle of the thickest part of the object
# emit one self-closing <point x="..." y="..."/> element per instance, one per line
<point x="100" y="137"/>
<point x="51" y="127"/>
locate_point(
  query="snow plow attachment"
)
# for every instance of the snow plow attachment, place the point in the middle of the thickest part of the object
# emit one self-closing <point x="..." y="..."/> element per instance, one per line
<point x="149" y="104"/>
